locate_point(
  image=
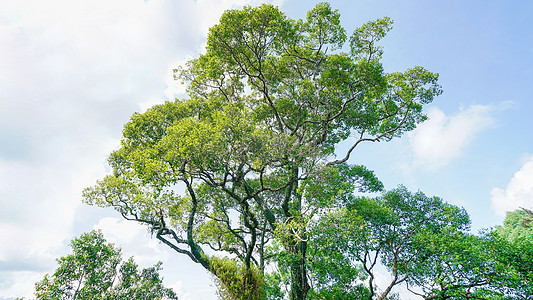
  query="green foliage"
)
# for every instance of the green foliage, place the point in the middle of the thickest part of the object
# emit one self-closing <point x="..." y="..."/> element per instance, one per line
<point x="235" y="282"/>
<point x="455" y="265"/>
<point x="513" y="229"/>
<point x="274" y="284"/>
<point x="334" y="272"/>
<point x="95" y="270"/>
<point x="494" y="265"/>
<point x="513" y="248"/>
<point x="393" y="229"/>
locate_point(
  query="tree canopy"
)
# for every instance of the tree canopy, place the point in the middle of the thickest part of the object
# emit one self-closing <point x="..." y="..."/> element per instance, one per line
<point x="396" y="230"/>
<point x="95" y="270"/>
<point x="250" y="157"/>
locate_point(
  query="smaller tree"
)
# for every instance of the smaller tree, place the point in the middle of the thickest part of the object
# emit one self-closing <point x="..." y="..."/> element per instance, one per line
<point x="349" y="243"/>
<point x="95" y="270"/>
<point x="513" y="226"/>
<point x="456" y="265"/>
<point x="514" y="249"/>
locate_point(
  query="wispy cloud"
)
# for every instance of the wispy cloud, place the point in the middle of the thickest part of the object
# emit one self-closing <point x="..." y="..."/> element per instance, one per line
<point x="443" y="138"/>
<point x="188" y="279"/>
<point x="134" y="239"/>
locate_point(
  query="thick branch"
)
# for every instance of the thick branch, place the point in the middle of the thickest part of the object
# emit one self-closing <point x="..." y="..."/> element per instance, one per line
<point x="196" y="251"/>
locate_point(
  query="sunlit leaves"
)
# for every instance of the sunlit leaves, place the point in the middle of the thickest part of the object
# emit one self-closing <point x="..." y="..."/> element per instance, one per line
<point x="323" y="27"/>
<point x="362" y="42"/>
<point x="246" y="37"/>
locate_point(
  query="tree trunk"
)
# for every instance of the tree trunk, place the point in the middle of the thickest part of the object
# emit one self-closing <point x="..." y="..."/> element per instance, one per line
<point x="299" y="284"/>
<point x="297" y="247"/>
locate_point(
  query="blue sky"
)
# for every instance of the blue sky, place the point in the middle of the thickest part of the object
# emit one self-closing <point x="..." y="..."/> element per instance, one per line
<point x="72" y="72"/>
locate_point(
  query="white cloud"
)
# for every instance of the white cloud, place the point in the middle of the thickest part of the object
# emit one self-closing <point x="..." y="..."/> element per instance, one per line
<point x="134" y="240"/>
<point x="188" y="279"/>
<point x="12" y="285"/>
<point x="518" y="193"/>
<point x="383" y="279"/>
<point x="71" y="74"/>
<point x="443" y="138"/>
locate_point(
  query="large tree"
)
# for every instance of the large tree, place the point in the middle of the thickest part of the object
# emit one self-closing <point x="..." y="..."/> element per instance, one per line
<point x="249" y="156"/>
